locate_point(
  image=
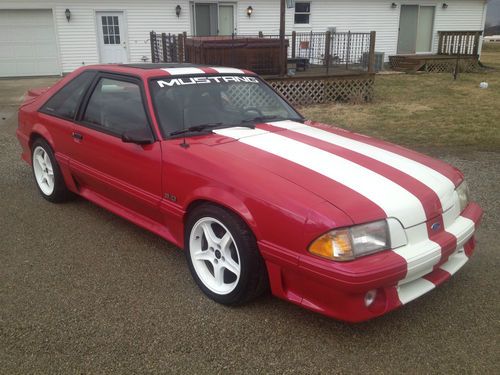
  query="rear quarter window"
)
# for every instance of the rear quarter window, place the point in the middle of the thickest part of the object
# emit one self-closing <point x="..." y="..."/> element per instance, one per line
<point x="64" y="103"/>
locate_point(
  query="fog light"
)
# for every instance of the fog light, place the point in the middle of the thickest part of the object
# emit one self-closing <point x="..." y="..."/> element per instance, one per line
<point x="370" y="297"/>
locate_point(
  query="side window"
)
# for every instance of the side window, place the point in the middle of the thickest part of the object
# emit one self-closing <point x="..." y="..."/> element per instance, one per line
<point x="65" y="102"/>
<point x="116" y="106"/>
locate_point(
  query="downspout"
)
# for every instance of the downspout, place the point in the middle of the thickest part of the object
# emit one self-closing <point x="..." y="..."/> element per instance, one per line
<point x="483" y="22"/>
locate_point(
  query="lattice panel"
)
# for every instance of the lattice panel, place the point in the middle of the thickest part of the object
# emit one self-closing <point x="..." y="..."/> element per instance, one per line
<point x="240" y="95"/>
<point x="396" y="62"/>
<point x="448" y="66"/>
<point x="403" y="63"/>
<point x="315" y="91"/>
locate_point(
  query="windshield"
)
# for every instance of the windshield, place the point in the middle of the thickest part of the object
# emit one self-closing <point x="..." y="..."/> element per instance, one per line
<point x="196" y="102"/>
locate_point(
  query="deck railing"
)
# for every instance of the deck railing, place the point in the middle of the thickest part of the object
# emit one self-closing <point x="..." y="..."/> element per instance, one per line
<point x="345" y="50"/>
<point x="459" y="42"/>
<point x="348" y="49"/>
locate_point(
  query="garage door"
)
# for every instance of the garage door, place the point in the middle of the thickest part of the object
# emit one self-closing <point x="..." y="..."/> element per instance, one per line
<point x="27" y="43"/>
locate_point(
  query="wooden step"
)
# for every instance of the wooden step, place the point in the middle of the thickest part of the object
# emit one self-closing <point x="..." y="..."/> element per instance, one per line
<point x="406" y="65"/>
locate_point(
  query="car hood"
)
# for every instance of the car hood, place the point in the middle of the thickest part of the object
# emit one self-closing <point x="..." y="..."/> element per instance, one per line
<point x="366" y="178"/>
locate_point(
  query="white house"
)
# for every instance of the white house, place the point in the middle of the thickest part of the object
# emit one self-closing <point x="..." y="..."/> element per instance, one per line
<point x="47" y="37"/>
<point x="492" y="39"/>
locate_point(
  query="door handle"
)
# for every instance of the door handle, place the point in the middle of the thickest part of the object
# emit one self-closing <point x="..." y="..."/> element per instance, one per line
<point x="77" y="136"/>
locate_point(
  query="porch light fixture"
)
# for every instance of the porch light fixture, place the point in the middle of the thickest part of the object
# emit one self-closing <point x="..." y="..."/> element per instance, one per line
<point x="67" y="12"/>
<point x="394" y="5"/>
<point x="178" y="11"/>
<point x="445" y="5"/>
<point x="249" y="11"/>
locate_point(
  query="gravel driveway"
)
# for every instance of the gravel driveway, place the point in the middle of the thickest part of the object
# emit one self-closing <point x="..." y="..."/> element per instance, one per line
<point x="83" y="291"/>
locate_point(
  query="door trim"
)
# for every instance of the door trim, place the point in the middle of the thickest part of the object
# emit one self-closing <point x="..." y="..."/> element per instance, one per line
<point x="418" y="15"/>
<point x="192" y="14"/>
<point x="235" y="14"/>
<point x="433" y="27"/>
<point x="82" y="107"/>
<point x="124" y="28"/>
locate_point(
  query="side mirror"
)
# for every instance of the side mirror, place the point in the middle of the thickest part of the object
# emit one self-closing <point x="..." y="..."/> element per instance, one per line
<point x="138" y="136"/>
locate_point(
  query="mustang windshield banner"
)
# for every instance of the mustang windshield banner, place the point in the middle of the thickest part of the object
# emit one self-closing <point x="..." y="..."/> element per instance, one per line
<point x="204" y="80"/>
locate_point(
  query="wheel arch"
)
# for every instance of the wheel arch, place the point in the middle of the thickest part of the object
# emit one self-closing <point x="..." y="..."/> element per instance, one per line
<point x="229" y="203"/>
<point x="39" y="131"/>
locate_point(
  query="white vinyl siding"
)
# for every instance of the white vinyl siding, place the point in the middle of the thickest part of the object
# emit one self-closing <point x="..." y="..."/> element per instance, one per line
<point x="364" y="16"/>
<point x="77" y="40"/>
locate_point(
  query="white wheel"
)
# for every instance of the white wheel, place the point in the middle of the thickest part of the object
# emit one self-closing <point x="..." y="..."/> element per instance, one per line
<point x="44" y="172"/>
<point x="223" y="255"/>
<point x="215" y="256"/>
<point x="47" y="174"/>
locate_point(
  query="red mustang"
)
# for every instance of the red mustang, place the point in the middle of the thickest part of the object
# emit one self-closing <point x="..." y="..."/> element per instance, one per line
<point x="214" y="161"/>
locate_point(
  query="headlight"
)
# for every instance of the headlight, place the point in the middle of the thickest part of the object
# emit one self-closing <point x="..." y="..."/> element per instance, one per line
<point x="349" y="243"/>
<point x="463" y="195"/>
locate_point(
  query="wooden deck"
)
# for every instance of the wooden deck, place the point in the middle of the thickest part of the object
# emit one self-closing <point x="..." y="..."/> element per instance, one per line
<point x="304" y="89"/>
<point x="321" y="71"/>
<point x="319" y="67"/>
<point x="455" y="49"/>
<point x="434" y="63"/>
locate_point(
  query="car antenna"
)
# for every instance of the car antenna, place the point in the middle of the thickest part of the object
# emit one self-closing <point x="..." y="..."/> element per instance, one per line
<point x="184" y="144"/>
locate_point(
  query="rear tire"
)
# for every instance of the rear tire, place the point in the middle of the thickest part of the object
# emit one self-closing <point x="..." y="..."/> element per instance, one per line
<point x="48" y="176"/>
<point x="223" y="257"/>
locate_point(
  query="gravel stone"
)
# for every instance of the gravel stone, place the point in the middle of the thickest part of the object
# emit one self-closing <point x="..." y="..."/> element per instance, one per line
<point x="84" y="291"/>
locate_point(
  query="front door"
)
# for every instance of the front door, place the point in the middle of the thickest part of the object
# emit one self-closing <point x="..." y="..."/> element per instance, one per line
<point x="103" y="166"/>
<point x="408" y="22"/>
<point x="226" y="19"/>
<point x="112" y="37"/>
<point x="415" y="29"/>
<point x="205" y="17"/>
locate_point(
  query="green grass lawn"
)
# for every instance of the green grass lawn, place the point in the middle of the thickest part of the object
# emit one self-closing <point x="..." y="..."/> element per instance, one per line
<point x="427" y="110"/>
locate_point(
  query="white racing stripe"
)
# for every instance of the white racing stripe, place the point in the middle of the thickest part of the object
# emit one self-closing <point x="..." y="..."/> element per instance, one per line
<point x="223" y="70"/>
<point x="181" y="71"/>
<point x="415" y="288"/>
<point x="408" y="292"/>
<point x="240" y="132"/>
<point x="462" y="228"/>
<point x="377" y="188"/>
<point x="420" y="259"/>
<point x="455" y="262"/>
<point x="440" y="184"/>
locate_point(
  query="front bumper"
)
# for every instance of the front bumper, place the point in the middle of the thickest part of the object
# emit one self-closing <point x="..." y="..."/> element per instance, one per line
<point x="399" y="276"/>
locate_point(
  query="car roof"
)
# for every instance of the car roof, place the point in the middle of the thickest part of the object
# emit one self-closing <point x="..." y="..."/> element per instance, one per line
<point x="159" y="70"/>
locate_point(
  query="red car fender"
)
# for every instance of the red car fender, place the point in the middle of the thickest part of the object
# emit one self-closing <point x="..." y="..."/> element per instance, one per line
<point x="224" y="198"/>
<point x="63" y="160"/>
<point x="41" y="130"/>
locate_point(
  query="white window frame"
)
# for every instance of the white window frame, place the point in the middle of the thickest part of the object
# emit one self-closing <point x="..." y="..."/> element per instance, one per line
<point x="308" y="13"/>
<point x="192" y="10"/>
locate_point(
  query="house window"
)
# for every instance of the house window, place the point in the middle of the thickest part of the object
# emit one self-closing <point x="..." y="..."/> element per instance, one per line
<point x="110" y="29"/>
<point x="212" y="18"/>
<point x="302" y="12"/>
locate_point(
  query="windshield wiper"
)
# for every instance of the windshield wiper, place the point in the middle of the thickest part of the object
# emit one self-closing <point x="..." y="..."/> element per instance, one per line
<point x="197" y="128"/>
<point x="262" y="119"/>
<point x="208" y="126"/>
<point x="269" y="118"/>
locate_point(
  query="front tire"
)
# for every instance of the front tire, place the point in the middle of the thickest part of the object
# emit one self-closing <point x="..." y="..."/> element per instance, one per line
<point x="223" y="257"/>
<point x="48" y="176"/>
